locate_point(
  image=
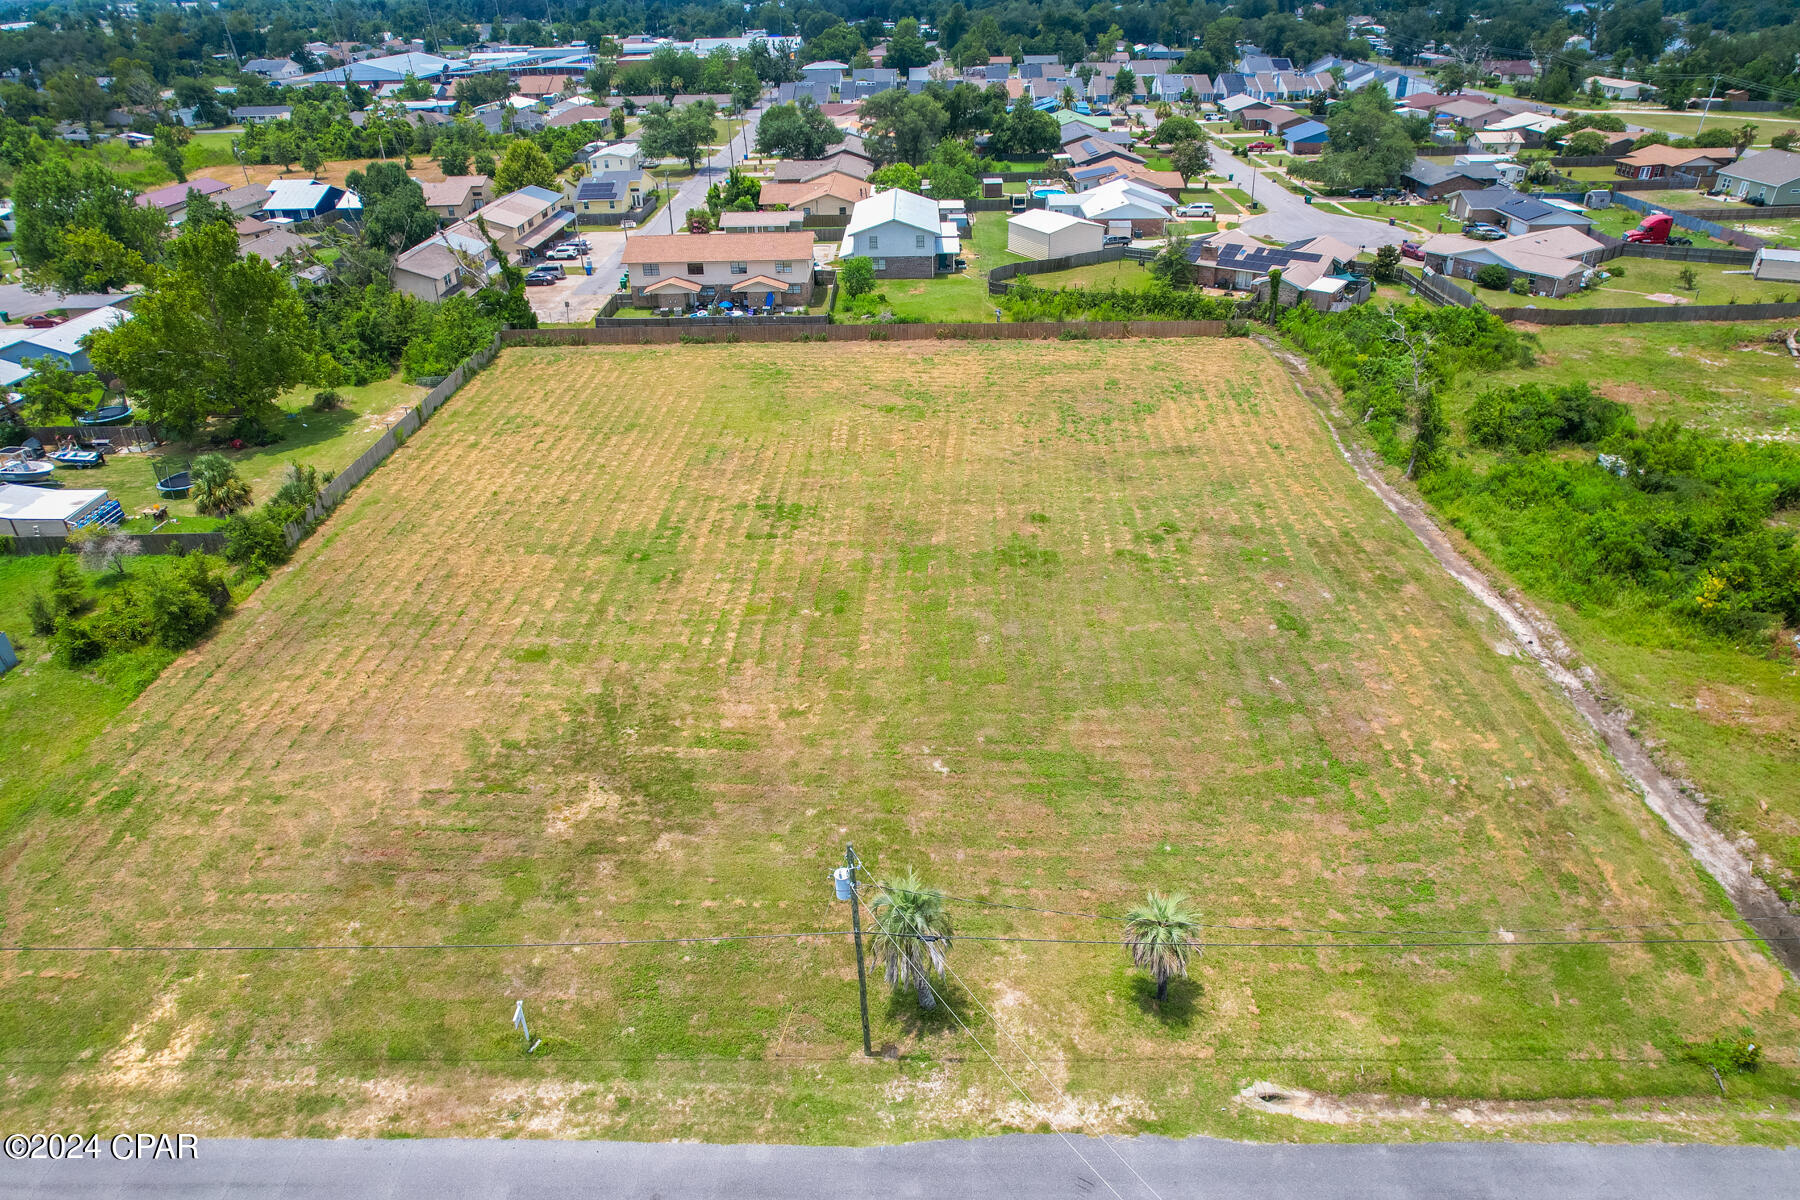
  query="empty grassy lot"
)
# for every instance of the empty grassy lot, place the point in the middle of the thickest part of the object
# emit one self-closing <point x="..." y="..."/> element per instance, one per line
<point x="628" y="643"/>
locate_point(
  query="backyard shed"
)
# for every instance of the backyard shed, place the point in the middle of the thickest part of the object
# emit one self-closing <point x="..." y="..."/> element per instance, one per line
<point x="1771" y="263"/>
<point x="37" y="512"/>
<point x="1040" y="233"/>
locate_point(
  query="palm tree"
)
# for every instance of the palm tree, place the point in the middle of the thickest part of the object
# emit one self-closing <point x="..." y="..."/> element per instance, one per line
<point x="1159" y="936"/>
<point x="912" y="933"/>
<point x="218" y="492"/>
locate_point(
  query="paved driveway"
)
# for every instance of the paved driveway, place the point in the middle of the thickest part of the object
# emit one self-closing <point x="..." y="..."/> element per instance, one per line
<point x="1016" y="1167"/>
<point x="1288" y="217"/>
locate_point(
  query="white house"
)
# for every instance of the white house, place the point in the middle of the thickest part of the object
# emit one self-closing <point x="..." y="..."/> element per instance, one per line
<point x="1123" y="200"/>
<point x="63" y="342"/>
<point x="904" y="233"/>
<point x="620" y="156"/>
<point x="1619" y="89"/>
<point x="1040" y="233"/>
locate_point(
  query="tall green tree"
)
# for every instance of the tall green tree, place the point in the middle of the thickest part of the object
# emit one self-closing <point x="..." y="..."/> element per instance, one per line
<point x="1159" y="936"/>
<point x="79" y="229"/>
<point x="54" y="395"/>
<point x="77" y="97"/>
<point x="1370" y="144"/>
<point x="1190" y="159"/>
<point x="906" y="48"/>
<point x="685" y="133"/>
<point x="796" y="131"/>
<point x="212" y="335"/>
<point x="912" y="934"/>
<point x="524" y="165"/>
<point x="395" y="217"/>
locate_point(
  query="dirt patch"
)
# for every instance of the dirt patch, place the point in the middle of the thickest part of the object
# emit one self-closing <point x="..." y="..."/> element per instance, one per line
<point x="1356" y="1109"/>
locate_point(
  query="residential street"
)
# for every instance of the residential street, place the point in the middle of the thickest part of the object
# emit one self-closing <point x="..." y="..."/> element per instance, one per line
<point x="1022" y="1166"/>
<point x="1288" y="218"/>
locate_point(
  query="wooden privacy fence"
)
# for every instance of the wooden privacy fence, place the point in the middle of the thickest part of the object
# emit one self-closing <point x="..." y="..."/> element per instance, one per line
<point x="333" y="493"/>
<point x="1647" y="315"/>
<point x="153" y="543"/>
<point x="710" y="322"/>
<point x="1044" y="266"/>
<point x="119" y="435"/>
<point x="894" y="332"/>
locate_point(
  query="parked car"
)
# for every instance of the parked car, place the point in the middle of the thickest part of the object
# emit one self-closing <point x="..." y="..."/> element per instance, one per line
<point x="1203" y="212"/>
<point x="1260" y="147"/>
<point x="1413" y="251"/>
<point x="1361" y="193"/>
<point x="544" y="277"/>
<point x="1116" y="239"/>
<point x="1482" y="232"/>
<point x="563" y="254"/>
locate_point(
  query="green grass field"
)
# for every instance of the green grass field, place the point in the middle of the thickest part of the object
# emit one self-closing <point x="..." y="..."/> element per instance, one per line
<point x="1647" y="277"/>
<point x="1051" y="622"/>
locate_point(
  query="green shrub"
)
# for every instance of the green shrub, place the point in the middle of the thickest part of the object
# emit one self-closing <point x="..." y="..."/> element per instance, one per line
<point x="1520" y="286"/>
<point x="256" y="543"/>
<point x="1494" y="277"/>
<point x="1536" y="416"/>
<point x="1726" y="1055"/>
<point x="252" y="431"/>
<point x="169" y="605"/>
<point x="327" y="401"/>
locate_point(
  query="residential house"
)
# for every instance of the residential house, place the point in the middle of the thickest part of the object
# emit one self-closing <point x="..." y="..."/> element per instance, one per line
<point x="839" y="158"/>
<point x="619" y="156"/>
<point x="391" y="68"/>
<point x="1515" y="212"/>
<point x="245" y="114"/>
<point x="871" y="81"/>
<point x="1088" y="151"/>
<point x="444" y="264"/>
<point x="1306" y="137"/>
<point x="1767" y="177"/>
<point x="762" y="222"/>
<point x="835" y="193"/>
<point x="1510" y="70"/>
<point x="1431" y="179"/>
<point x="904" y="233"/>
<point x="1662" y="162"/>
<point x="173" y="199"/>
<point x="539" y="87"/>
<point x="1554" y="261"/>
<point x="307" y="200"/>
<point x="1269" y="117"/>
<point x="829" y="72"/>
<point x="520" y="222"/>
<point x="1039" y="233"/>
<point x="576" y="114"/>
<point x="277" y="69"/>
<point x="275" y="244"/>
<point x="1316" y="270"/>
<point x="1501" y="142"/>
<point x="1619" y="89"/>
<point x="1236" y="102"/>
<point x="63" y="342"/>
<point x="1470" y="113"/>
<point x="1531" y="126"/>
<point x="457" y="196"/>
<point x="244" y="199"/>
<point x="698" y="269"/>
<point x="1122" y="203"/>
<point x="606" y="193"/>
<point x="819" y="92"/>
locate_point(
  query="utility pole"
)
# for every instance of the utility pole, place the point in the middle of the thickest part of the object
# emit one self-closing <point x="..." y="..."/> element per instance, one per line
<point x="1707" y="107"/>
<point x="862" y="979"/>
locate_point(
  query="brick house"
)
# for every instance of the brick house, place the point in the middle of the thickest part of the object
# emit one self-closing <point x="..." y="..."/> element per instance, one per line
<point x="697" y="269"/>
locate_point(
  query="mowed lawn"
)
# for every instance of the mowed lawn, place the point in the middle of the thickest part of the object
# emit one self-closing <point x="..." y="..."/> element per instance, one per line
<point x="628" y="643"/>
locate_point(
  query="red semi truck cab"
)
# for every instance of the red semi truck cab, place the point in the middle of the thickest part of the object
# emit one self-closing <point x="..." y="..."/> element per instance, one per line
<point x="1657" y="229"/>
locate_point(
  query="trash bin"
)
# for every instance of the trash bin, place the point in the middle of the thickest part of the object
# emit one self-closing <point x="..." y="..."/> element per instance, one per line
<point x="1391" y="222"/>
<point x="1308" y="197"/>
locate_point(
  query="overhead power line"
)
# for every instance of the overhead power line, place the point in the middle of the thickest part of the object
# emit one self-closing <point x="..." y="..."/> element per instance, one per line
<point x="697" y="939"/>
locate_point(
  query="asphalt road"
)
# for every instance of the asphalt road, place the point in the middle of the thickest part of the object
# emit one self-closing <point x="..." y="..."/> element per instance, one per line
<point x="1021" y="1166"/>
<point x="1288" y="217"/>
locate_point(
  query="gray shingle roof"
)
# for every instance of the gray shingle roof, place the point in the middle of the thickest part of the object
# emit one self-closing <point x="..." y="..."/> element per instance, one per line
<point x="1774" y="167"/>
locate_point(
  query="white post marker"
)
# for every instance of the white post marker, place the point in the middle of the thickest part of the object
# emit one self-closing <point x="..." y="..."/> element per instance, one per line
<point x="519" y="1024"/>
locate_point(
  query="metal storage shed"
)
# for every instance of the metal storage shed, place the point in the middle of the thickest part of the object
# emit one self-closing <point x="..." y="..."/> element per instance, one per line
<point x="1771" y="263"/>
<point x="1040" y="233"/>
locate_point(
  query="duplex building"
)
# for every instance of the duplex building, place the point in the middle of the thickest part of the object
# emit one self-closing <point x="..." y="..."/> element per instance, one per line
<point x="698" y="269"/>
<point x="1552" y="261"/>
<point x="443" y="265"/>
<point x="832" y="194"/>
<point x="520" y="222"/>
